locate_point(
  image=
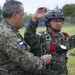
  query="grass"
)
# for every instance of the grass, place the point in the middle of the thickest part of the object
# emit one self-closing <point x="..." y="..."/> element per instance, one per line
<point x="71" y="61"/>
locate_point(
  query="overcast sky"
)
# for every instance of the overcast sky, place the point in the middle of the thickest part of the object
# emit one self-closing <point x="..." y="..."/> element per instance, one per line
<point x="31" y="5"/>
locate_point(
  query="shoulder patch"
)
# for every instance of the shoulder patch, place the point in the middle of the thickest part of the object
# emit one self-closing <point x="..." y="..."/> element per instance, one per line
<point x="38" y="33"/>
<point x="21" y="43"/>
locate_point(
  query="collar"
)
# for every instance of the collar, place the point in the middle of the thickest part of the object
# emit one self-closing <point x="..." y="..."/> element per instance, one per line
<point x="9" y="25"/>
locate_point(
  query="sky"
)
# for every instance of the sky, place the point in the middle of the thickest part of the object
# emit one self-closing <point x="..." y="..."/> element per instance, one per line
<point x="30" y="6"/>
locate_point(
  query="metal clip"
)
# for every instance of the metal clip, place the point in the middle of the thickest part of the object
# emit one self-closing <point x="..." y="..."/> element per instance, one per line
<point x="43" y="50"/>
<point x="48" y="37"/>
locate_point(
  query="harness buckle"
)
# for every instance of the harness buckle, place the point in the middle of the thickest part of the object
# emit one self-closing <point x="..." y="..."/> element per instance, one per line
<point x="43" y="48"/>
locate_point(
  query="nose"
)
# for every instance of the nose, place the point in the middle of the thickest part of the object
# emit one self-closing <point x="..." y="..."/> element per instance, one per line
<point x="59" y="22"/>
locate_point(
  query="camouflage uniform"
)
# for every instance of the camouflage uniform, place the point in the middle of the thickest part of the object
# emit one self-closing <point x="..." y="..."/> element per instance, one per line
<point x="14" y="57"/>
<point x="42" y="42"/>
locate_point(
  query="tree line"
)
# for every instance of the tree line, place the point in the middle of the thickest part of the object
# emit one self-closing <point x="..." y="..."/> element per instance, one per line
<point x="69" y="13"/>
<point x="67" y="9"/>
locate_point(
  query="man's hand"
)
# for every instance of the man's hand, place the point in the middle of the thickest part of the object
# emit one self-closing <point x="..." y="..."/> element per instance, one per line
<point x="47" y="58"/>
<point x="39" y="13"/>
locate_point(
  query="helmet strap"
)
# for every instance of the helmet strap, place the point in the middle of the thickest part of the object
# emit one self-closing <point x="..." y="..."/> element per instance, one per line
<point x="55" y="29"/>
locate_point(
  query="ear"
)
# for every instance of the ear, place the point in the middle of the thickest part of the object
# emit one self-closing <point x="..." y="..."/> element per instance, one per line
<point x="14" y="15"/>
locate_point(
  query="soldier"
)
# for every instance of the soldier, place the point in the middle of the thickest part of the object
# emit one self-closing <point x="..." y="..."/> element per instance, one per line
<point x="15" y="58"/>
<point x="53" y="41"/>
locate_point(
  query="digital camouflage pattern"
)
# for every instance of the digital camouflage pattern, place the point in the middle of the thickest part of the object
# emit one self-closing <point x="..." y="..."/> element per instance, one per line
<point x="14" y="56"/>
<point x="41" y="43"/>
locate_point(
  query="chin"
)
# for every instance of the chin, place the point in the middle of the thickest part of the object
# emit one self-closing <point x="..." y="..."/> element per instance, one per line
<point x="56" y="30"/>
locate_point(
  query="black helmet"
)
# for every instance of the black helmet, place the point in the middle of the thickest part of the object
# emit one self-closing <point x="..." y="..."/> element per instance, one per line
<point x="54" y="14"/>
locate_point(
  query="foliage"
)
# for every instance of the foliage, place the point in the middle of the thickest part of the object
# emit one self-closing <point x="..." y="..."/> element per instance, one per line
<point x="0" y="14"/>
<point x="69" y="10"/>
<point x="28" y="17"/>
<point x="0" y="11"/>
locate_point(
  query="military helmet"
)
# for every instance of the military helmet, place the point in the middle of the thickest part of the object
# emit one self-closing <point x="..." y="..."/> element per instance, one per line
<point x="54" y="14"/>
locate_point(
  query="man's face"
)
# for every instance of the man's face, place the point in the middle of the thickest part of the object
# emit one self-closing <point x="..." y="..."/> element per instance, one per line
<point x="56" y="24"/>
<point x="19" y="20"/>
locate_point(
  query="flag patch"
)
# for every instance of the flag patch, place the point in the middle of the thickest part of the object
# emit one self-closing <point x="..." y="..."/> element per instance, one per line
<point x="21" y="43"/>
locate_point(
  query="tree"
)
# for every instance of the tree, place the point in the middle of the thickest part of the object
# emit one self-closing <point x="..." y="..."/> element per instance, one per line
<point x="57" y="7"/>
<point x="69" y="10"/>
<point x="0" y="14"/>
<point x="0" y="11"/>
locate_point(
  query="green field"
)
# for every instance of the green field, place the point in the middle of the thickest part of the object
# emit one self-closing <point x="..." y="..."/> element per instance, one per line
<point x="71" y="60"/>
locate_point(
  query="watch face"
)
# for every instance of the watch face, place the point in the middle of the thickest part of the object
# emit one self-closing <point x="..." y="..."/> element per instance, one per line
<point x="63" y="47"/>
